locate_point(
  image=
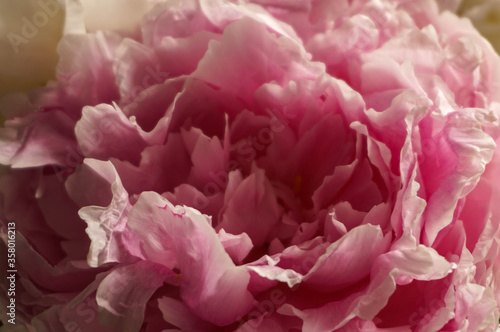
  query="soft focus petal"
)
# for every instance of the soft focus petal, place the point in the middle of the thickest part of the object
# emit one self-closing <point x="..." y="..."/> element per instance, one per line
<point x="209" y="278"/>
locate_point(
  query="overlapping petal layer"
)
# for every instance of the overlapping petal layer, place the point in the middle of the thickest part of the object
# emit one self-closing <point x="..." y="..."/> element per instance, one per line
<point x="259" y="165"/>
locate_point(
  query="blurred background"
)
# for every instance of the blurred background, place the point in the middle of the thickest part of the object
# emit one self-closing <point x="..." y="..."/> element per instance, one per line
<point x="29" y="33"/>
<point x="485" y="15"/>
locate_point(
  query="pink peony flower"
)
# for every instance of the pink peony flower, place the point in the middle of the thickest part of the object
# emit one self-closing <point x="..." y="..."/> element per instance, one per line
<point x="258" y="166"/>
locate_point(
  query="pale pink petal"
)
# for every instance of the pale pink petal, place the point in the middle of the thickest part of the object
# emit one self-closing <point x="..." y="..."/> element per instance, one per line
<point x="209" y="157"/>
<point x="41" y="138"/>
<point x="104" y="132"/>
<point x="124" y="292"/>
<point x="178" y="314"/>
<point x="241" y="73"/>
<point x="85" y="71"/>
<point x="348" y="260"/>
<point x="420" y="263"/>
<point x="136" y="68"/>
<point x="111" y="240"/>
<point x="206" y="202"/>
<point x="252" y="209"/>
<point x="180" y="56"/>
<point x="177" y="19"/>
<point x="180" y="237"/>
<point x="237" y="246"/>
<point x="158" y="170"/>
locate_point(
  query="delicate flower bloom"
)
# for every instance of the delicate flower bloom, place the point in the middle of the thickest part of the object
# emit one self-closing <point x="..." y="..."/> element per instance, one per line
<point x="259" y="165"/>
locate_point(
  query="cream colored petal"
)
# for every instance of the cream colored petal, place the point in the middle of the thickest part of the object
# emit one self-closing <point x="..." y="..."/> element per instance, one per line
<point x="29" y="33"/>
<point x="115" y="15"/>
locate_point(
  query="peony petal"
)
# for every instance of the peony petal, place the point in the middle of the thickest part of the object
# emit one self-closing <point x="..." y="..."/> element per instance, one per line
<point x="180" y="237"/>
<point x="421" y="263"/>
<point x="237" y="246"/>
<point x="176" y="313"/>
<point x="124" y="292"/>
<point x="83" y="82"/>
<point x="107" y="226"/>
<point x="180" y="56"/>
<point x="42" y="139"/>
<point x="238" y="57"/>
<point x="104" y="132"/>
<point x="348" y="260"/>
<point x="252" y="209"/>
<point x="158" y="169"/>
